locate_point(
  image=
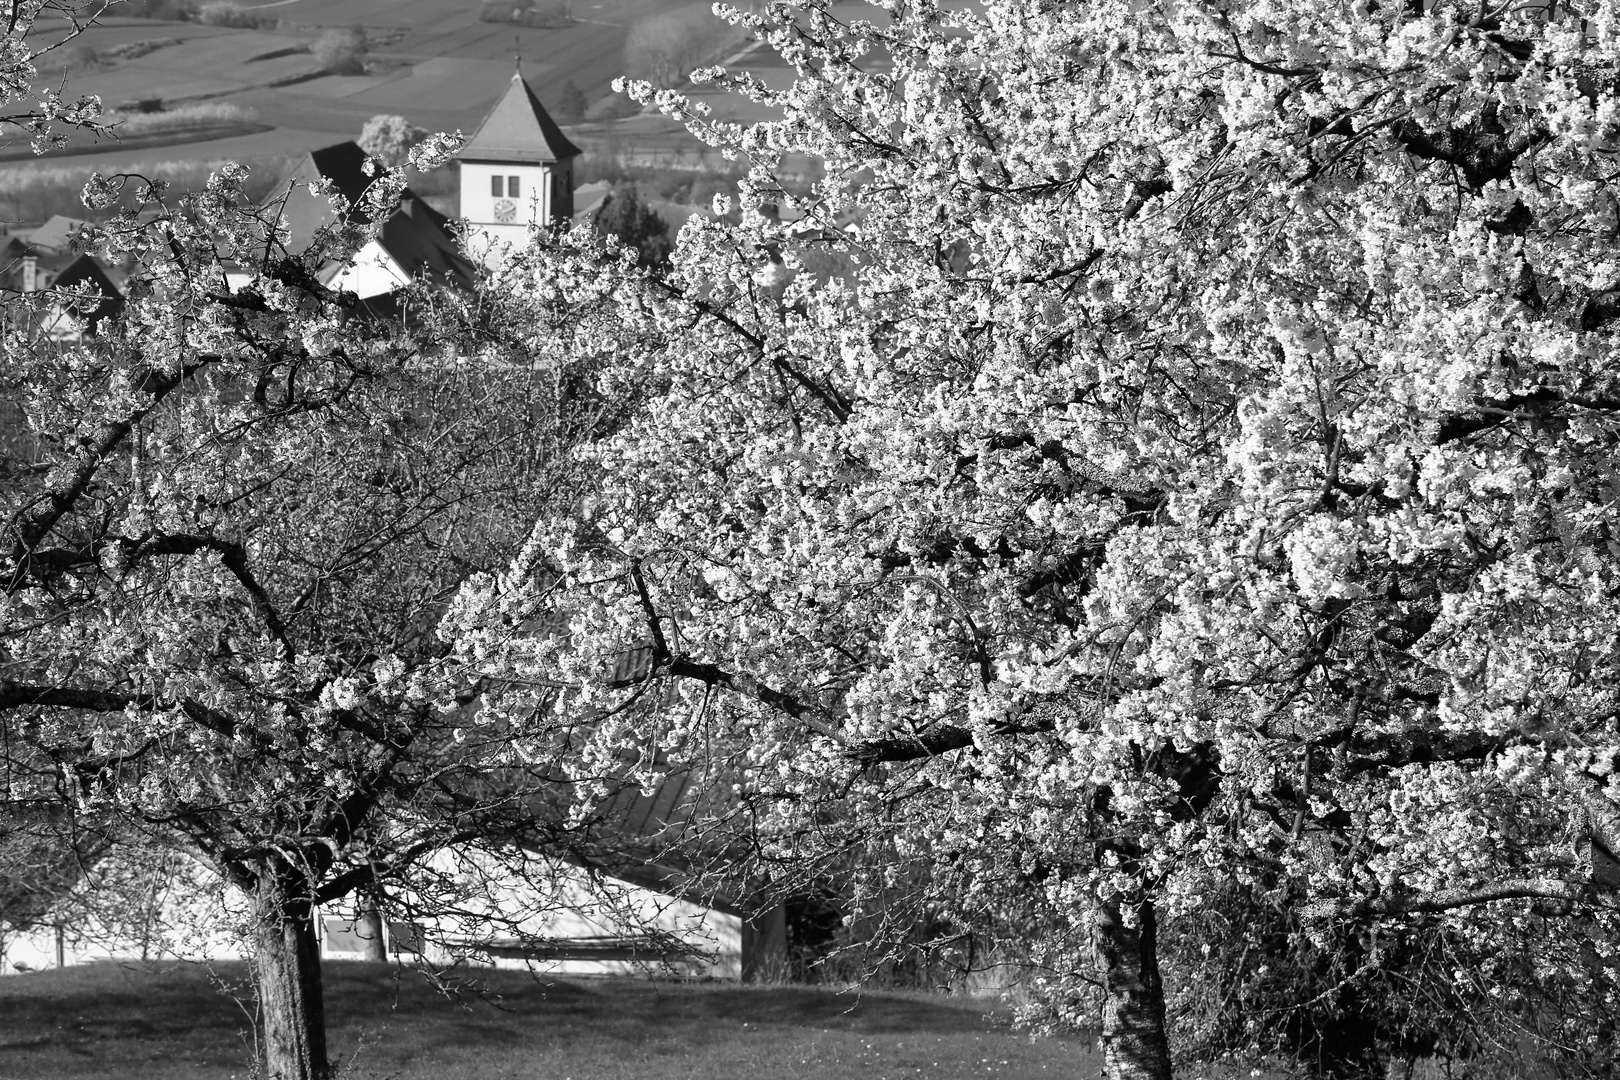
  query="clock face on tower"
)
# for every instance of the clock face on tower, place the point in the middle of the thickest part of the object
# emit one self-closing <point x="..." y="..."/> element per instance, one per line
<point x="505" y="211"/>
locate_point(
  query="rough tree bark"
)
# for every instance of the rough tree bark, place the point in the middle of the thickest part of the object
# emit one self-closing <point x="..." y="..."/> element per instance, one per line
<point x="1135" y="1043"/>
<point x="292" y="1013"/>
<point x="368" y="926"/>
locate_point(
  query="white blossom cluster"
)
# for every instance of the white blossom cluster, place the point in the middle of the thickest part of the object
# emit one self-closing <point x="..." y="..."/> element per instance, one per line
<point x="1183" y="455"/>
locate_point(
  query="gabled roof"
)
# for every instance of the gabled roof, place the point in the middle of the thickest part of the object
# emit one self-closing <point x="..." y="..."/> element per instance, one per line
<point x="414" y="235"/>
<point x="56" y="234"/>
<point x="344" y="165"/>
<point x="101" y="286"/>
<point x="417" y="239"/>
<point x="518" y="128"/>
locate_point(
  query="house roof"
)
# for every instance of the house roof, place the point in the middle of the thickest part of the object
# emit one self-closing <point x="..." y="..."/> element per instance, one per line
<point x="101" y="285"/>
<point x="417" y="239"/>
<point x="57" y="233"/>
<point x="344" y="165"/>
<point x="414" y="235"/>
<point x="518" y="128"/>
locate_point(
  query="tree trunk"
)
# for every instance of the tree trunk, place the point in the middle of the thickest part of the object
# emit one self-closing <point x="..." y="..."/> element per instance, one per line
<point x="368" y="927"/>
<point x="292" y="1013"/>
<point x="764" y="945"/>
<point x="1135" y="1044"/>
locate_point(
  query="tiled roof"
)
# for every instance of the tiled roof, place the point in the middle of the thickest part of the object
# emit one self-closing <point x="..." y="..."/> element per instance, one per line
<point x="414" y="234"/>
<point x="91" y="276"/>
<point x="344" y="165"/>
<point x="518" y="128"/>
<point x="57" y="233"/>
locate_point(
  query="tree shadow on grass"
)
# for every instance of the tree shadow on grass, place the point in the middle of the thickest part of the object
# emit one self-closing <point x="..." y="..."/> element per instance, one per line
<point x="73" y="1021"/>
<point x="106" y="1020"/>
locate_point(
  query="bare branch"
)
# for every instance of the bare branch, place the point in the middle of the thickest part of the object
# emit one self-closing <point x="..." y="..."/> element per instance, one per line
<point x="1541" y="888"/>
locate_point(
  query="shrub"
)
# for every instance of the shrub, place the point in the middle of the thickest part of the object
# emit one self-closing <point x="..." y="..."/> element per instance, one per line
<point x="637" y="225"/>
<point x="536" y="13"/>
<point x="668" y="185"/>
<point x="81" y="57"/>
<point x="185" y="118"/>
<point x="225" y="13"/>
<point x="169" y="10"/>
<point x="571" y="104"/>
<point x="615" y="107"/>
<point x="665" y="48"/>
<point x="388" y="138"/>
<point x="134" y="50"/>
<point x="342" y="51"/>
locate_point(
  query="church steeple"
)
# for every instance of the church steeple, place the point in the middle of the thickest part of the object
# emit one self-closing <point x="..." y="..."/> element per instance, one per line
<point x="517" y="168"/>
<point x="519" y="128"/>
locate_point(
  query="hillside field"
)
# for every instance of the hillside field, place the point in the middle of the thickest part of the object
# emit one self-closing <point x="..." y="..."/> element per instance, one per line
<point x="432" y="61"/>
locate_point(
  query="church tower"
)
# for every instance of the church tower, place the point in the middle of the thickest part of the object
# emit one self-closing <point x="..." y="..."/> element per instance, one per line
<point x="517" y="169"/>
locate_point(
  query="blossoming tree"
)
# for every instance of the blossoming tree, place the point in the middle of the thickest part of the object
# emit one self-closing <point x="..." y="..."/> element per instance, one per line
<point x="42" y="120"/>
<point x="1184" y="460"/>
<point x="220" y="584"/>
<point x="223" y="560"/>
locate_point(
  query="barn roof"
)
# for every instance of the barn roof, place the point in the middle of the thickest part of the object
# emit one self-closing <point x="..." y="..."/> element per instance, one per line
<point x="97" y="289"/>
<point x="518" y="128"/>
<point x="414" y="234"/>
<point x="57" y="234"/>
<point x="343" y="164"/>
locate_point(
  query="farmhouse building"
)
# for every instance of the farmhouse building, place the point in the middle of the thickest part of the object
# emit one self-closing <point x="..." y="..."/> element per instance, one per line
<point x="84" y="288"/>
<point x="413" y="243"/>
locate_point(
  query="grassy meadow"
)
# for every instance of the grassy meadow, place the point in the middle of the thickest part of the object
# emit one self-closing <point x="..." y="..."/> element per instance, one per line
<point x="144" y="1022"/>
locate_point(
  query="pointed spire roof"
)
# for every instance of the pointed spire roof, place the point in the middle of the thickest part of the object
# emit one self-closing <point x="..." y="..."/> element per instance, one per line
<point x="518" y="128"/>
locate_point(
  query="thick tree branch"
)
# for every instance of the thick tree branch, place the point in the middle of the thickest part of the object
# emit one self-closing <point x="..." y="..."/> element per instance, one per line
<point x="343" y="884"/>
<point x="835" y="401"/>
<point x="750" y="687"/>
<point x="66" y="484"/>
<point x="15" y="695"/>
<point x="1369" y="752"/>
<point x="45" y="564"/>
<point x="932" y="743"/>
<point x="681" y="667"/>
<point x="1540" y="405"/>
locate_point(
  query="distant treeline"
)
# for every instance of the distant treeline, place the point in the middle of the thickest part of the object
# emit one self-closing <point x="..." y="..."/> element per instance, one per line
<point x="212" y="12"/>
<point x="537" y="13"/>
<point x="30" y="194"/>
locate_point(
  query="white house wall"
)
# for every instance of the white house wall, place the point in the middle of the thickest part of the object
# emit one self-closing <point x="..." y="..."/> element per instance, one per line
<point x="202" y="922"/>
<point x="195" y="917"/>
<point x="372" y="273"/>
<point x="580" y="907"/>
<point x="478" y="201"/>
<point x="489" y="241"/>
<point x="491" y="245"/>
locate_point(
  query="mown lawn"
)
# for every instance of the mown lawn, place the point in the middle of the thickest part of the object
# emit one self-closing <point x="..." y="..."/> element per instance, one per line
<point x="171" y="1020"/>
